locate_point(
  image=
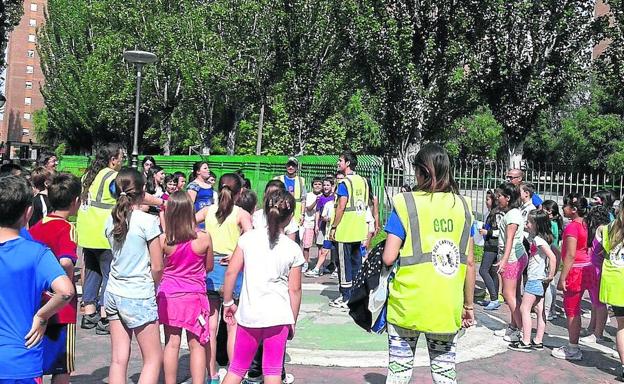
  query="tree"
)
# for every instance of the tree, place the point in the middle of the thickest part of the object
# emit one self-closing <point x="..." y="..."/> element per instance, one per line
<point x="477" y="136"/>
<point x="528" y="56"/>
<point x="11" y="12"/>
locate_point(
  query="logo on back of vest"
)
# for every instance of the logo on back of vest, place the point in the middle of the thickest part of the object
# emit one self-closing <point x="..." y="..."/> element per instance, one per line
<point x="617" y="256"/>
<point x="445" y="257"/>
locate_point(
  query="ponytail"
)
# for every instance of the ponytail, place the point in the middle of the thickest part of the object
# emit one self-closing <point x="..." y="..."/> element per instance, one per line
<point x="279" y="207"/>
<point x="129" y="190"/>
<point x="229" y="189"/>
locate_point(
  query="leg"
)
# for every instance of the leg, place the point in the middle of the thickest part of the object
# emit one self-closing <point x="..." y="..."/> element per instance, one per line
<point x="342" y="265"/>
<point x="171" y="353"/>
<point x="148" y="337"/>
<point x="401" y="347"/>
<point x="509" y="293"/>
<point x="442" y="357"/>
<point x="541" y="320"/>
<point x="231" y="338"/>
<point x="62" y="378"/>
<point x="601" y="319"/>
<point x="322" y="255"/>
<point x="105" y="259"/>
<point x="120" y="352"/>
<point x="247" y="340"/>
<point x="198" y="359"/>
<point x="356" y="262"/>
<point x="255" y="370"/>
<point x="484" y="272"/>
<point x="273" y="356"/>
<point x="211" y="351"/>
<point x="92" y="281"/>
<point x="619" y="338"/>
<point x="525" y="313"/>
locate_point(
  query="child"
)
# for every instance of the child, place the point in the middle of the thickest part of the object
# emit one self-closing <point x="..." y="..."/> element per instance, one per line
<point x="309" y="216"/>
<point x="27" y="268"/>
<point x="200" y="189"/>
<point x="40" y="178"/>
<point x="180" y="180"/>
<point x="538" y="227"/>
<point x="556" y="225"/>
<point x="171" y="186"/>
<point x="271" y="295"/>
<point x="155" y="178"/>
<point x="258" y="218"/>
<point x="182" y="301"/>
<point x="248" y="200"/>
<point x="130" y="299"/>
<point x="57" y="233"/>
<point x="324" y="204"/>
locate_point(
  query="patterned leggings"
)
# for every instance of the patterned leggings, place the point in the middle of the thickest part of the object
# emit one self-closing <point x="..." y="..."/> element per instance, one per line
<point x="402" y="344"/>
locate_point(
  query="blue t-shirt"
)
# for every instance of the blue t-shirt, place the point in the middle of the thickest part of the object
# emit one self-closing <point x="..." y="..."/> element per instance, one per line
<point x="536" y="200"/>
<point x="342" y="190"/>
<point x="22" y="281"/>
<point x="23" y="233"/>
<point x="395" y="227"/>
<point x="289" y="184"/>
<point x="204" y="198"/>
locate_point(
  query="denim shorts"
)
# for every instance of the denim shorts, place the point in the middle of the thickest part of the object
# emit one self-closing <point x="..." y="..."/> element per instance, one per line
<point x="133" y="313"/>
<point x="534" y="287"/>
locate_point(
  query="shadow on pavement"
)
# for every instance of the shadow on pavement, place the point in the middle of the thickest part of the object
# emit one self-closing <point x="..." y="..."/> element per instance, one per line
<point x="374" y="378"/>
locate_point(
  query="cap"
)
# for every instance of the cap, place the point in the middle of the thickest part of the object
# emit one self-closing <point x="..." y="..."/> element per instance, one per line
<point x="293" y="160"/>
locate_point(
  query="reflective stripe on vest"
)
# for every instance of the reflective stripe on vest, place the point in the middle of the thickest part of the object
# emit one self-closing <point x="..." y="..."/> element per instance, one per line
<point x="418" y="256"/>
<point x="93" y="215"/>
<point x="100" y="193"/>
<point x="353" y="227"/>
<point x="297" y="194"/>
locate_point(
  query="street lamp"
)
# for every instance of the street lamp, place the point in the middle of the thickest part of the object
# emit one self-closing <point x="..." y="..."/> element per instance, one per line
<point x="138" y="58"/>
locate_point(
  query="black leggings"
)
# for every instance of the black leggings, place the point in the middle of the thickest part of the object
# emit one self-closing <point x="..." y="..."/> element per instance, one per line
<point x="489" y="274"/>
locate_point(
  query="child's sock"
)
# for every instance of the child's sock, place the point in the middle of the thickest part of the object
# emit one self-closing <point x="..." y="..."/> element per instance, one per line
<point x="573" y="346"/>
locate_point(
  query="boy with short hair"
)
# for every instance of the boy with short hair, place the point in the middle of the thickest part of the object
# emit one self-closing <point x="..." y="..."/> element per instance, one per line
<point x="40" y="179"/>
<point x="57" y="232"/>
<point x="27" y="268"/>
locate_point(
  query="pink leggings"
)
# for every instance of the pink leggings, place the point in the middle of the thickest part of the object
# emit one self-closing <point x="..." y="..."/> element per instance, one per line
<point x="246" y="344"/>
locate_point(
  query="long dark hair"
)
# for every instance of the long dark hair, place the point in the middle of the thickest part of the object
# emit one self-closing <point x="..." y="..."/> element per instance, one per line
<point x="129" y="190"/>
<point x="196" y="167"/>
<point x="578" y="202"/>
<point x="103" y="156"/>
<point x="151" y="183"/>
<point x="553" y="207"/>
<point x="433" y="164"/>
<point x="491" y="217"/>
<point x="179" y="219"/>
<point x="513" y="192"/>
<point x="229" y="188"/>
<point x="278" y="207"/>
<point x="543" y="229"/>
<point x="597" y="216"/>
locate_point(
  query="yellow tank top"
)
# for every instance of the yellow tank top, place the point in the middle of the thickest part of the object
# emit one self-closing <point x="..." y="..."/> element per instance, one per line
<point x="224" y="236"/>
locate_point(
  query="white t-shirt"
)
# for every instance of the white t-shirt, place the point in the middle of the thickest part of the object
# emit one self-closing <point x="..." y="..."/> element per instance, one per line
<point x="513" y="216"/>
<point x="130" y="271"/>
<point x="258" y="220"/>
<point x="537" y="261"/>
<point x="526" y="208"/>
<point x="328" y="214"/>
<point x="264" y="300"/>
<point x="310" y="214"/>
<point x="370" y="220"/>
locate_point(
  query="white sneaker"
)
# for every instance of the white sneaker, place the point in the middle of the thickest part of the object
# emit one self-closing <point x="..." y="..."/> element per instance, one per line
<point x="615" y="355"/>
<point x="312" y="273"/>
<point x="592" y="339"/>
<point x="504" y="332"/>
<point x="304" y="268"/>
<point x="567" y="353"/>
<point x="339" y="303"/>
<point x="586" y="315"/>
<point x="513" y="337"/>
<point x="334" y="275"/>
<point x="289" y="379"/>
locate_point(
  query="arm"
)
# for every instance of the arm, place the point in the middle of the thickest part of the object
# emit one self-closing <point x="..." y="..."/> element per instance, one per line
<point x="192" y="194"/>
<point x="200" y="216"/>
<point x="376" y="214"/>
<point x="511" y="232"/>
<point x="391" y="250"/>
<point x="568" y="261"/>
<point x="156" y="258"/>
<point x="234" y="268"/>
<point x="552" y="262"/>
<point x="294" y="291"/>
<point x="469" y="285"/>
<point x="68" y="267"/>
<point x="63" y="292"/>
<point x="204" y="245"/>
<point x="342" y="204"/>
<point x="150" y="199"/>
<point x="244" y="221"/>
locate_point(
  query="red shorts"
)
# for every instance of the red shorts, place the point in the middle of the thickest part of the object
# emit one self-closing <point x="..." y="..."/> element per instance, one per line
<point x="579" y="280"/>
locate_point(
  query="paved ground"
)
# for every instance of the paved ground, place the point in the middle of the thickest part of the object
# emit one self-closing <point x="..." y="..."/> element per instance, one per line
<point x="330" y="348"/>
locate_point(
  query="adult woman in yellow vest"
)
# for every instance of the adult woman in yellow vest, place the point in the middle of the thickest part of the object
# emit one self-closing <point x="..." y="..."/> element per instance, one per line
<point x="612" y="279"/>
<point x="225" y="222"/>
<point x="97" y="204"/>
<point x="429" y="232"/>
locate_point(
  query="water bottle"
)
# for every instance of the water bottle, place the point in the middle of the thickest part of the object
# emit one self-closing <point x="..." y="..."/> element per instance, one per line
<point x="363" y="251"/>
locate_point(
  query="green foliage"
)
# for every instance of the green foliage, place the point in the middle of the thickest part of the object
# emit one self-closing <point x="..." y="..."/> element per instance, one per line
<point x="11" y="12"/>
<point x="40" y="123"/>
<point x="475" y="136"/>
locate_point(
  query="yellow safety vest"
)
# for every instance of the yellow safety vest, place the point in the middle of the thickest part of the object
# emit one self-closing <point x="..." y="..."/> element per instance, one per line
<point x="353" y="227"/>
<point x="92" y="215"/>
<point x="612" y="280"/>
<point x="297" y="194"/>
<point x="427" y="293"/>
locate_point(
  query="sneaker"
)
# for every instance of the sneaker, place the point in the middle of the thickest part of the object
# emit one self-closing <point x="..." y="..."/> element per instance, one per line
<point x="515" y="336"/>
<point x="103" y="327"/>
<point x="520" y="346"/>
<point x="586" y="315"/>
<point x="215" y="380"/>
<point x="483" y="303"/>
<point x="551" y="316"/>
<point x="592" y="339"/>
<point x="620" y="374"/>
<point x="567" y="353"/>
<point x="537" y="346"/>
<point x="339" y="303"/>
<point x="304" y="267"/>
<point x="90" y="321"/>
<point x="586" y="332"/>
<point x="312" y="273"/>
<point x="504" y="331"/>
<point x="492" y="306"/>
<point x="334" y="275"/>
<point x="288" y="379"/>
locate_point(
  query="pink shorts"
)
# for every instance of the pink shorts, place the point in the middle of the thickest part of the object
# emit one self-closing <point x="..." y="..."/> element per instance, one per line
<point x="246" y="344"/>
<point x="189" y="311"/>
<point x="578" y="281"/>
<point x="308" y="238"/>
<point x="513" y="271"/>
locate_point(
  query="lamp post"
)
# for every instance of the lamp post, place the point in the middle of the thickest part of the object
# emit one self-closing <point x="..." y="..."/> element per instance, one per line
<point x="139" y="59"/>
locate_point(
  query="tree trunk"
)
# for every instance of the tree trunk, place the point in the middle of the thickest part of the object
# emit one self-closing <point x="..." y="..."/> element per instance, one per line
<point x="408" y="154"/>
<point x="231" y="139"/>
<point x="515" y="151"/>
<point x="260" y="124"/>
<point x="167" y="143"/>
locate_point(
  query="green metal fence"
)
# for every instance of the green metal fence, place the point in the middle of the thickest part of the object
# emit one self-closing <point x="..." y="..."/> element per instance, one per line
<point x="258" y="169"/>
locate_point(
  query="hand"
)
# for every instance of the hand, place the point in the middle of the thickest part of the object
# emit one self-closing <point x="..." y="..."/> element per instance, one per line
<point x="225" y="260"/>
<point x="301" y="220"/>
<point x="468" y="318"/>
<point x="548" y="279"/>
<point x="291" y="331"/>
<point x="562" y="285"/>
<point x="332" y="234"/>
<point x="377" y="229"/>
<point x="501" y="266"/>
<point x="228" y="314"/>
<point x="483" y="232"/>
<point x="37" y="330"/>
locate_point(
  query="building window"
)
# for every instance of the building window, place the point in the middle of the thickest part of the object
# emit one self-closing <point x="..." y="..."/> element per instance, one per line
<point x="29" y="85"/>
<point x="30" y="69"/>
<point x="25" y="132"/>
<point x="32" y="22"/>
<point x="32" y="38"/>
<point x="27" y="116"/>
<point x="33" y="7"/>
<point x="31" y="53"/>
<point x="28" y="100"/>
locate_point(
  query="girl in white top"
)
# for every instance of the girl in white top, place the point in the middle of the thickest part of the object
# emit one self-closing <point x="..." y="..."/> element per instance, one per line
<point x="539" y="276"/>
<point x="259" y="219"/>
<point x="271" y="293"/>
